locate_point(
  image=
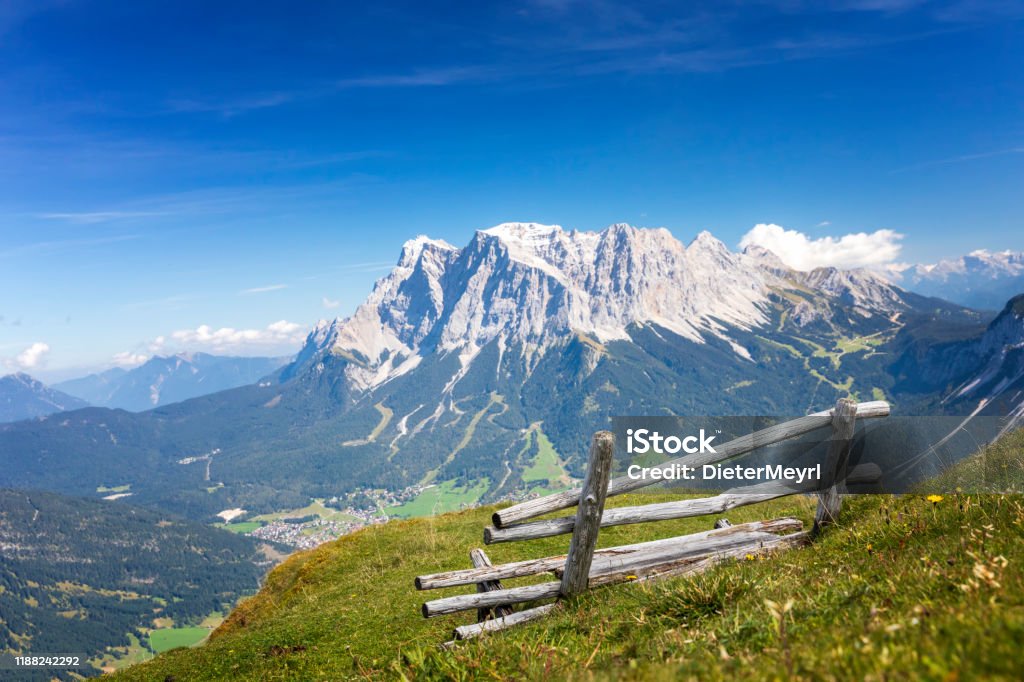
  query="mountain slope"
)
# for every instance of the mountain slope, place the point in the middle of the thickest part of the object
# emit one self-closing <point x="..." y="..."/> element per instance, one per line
<point x="22" y="397"/>
<point x="903" y="588"/>
<point x="980" y="374"/>
<point x="170" y="379"/>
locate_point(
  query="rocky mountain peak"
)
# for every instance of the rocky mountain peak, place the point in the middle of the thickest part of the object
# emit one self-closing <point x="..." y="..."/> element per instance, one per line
<point x="530" y="286"/>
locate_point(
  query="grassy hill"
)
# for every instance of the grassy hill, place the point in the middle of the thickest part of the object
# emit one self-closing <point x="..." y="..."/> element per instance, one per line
<point x="906" y="587"/>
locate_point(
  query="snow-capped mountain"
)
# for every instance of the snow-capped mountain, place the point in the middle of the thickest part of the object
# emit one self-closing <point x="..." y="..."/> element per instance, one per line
<point x="169" y="379"/>
<point x="981" y="279"/>
<point x="22" y="397"/>
<point x="531" y="287"/>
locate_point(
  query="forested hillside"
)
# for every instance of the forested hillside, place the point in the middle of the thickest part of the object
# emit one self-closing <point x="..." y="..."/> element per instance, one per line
<point x="79" y="576"/>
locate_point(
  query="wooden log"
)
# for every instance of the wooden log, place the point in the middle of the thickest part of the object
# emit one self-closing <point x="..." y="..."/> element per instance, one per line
<point x="477" y="629"/>
<point x="588" y="515"/>
<point x="701" y="562"/>
<point x="479" y="559"/>
<point x="836" y="462"/>
<point x="663" y="511"/>
<point x="734" y="448"/>
<point x="521" y="569"/>
<point x="722" y="523"/>
<point x="691" y="567"/>
<point x="637" y="562"/>
<point x="512" y="595"/>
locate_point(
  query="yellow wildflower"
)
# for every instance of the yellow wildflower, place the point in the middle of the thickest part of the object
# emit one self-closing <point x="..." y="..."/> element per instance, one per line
<point x="934" y="499"/>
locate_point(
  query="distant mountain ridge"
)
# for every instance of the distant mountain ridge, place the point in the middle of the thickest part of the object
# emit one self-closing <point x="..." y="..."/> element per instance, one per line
<point x="981" y="279"/>
<point x="169" y="379"/>
<point x="22" y="397"/>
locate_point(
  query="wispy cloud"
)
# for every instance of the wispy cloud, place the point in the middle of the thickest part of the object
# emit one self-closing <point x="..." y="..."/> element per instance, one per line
<point x="960" y="159"/>
<point x="424" y="77"/>
<point x="91" y="217"/>
<point x="262" y="290"/>
<point x="372" y="266"/>
<point x="64" y="244"/>
<point x="330" y="304"/>
<point x="549" y="41"/>
<point x="175" y="301"/>
<point x="232" y="107"/>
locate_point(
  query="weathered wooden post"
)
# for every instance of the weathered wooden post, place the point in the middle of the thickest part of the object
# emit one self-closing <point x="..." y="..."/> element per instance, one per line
<point x="480" y="559"/>
<point x="576" y="575"/>
<point x="844" y="418"/>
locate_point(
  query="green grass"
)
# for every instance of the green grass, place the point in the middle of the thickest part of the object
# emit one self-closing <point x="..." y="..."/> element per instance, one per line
<point x="118" y="658"/>
<point x="440" y="498"/>
<point x="314" y="508"/>
<point x="902" y="588"/>
<point x="739" y="384"/>
<point x="166" y="639"/>
<point x="241" y="528"/>
<point x="546" y="466"/>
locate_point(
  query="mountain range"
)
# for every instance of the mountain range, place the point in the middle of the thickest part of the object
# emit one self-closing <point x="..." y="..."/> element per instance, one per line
<point x="168" y="379"/>
<point x="469" y="366"/>
<point x="981" y="279"/>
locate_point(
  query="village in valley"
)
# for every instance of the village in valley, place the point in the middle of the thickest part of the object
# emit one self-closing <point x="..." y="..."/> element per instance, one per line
<point x="324" y="520"/>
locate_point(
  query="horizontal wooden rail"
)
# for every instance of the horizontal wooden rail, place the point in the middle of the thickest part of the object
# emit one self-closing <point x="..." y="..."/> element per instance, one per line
<point x="477" y="629"/>
<point x="640" y="561"/>
<point x="480" y="600"/>
<point x="678" y="509"/>
<point x="519" y="569"/>
<point x="691" y="565"/>
<point x="738" y="446"/>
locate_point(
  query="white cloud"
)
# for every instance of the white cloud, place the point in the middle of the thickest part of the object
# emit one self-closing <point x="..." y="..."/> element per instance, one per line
<point x="858" y="250"/>
<point x="128" y="359"/>
<point x="329" y="304"/>
<point x="34" y="356"/>
<point x="278" y="334"/>
<point x="263" y="290"/>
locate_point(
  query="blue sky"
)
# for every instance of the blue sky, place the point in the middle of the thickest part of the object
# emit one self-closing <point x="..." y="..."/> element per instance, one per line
<point x="165" y="167"/>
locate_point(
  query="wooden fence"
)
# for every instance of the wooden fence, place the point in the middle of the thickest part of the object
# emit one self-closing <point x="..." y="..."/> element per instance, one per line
<point x="584" y="566"/>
